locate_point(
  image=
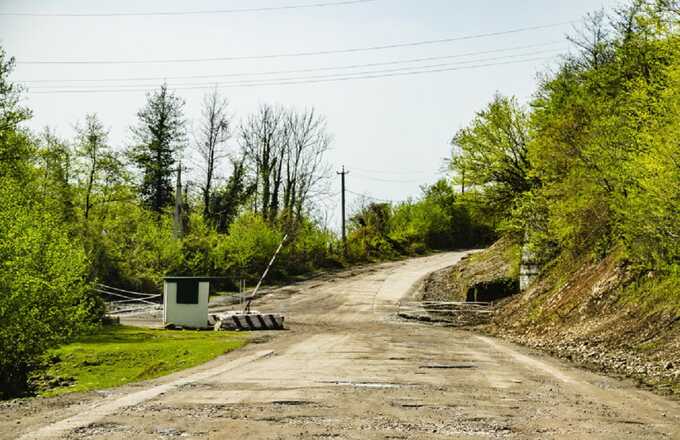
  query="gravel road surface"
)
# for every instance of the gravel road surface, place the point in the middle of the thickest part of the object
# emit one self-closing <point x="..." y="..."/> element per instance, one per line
<point x="347" y="368"/>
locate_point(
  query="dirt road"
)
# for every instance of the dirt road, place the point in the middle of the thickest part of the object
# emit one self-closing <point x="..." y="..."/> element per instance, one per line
<point x="347" y="368"/>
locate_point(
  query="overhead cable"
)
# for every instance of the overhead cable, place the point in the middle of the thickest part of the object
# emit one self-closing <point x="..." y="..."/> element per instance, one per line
<point x="394" y="172"/>
<point x="296" y="81"/>
<point x="303" y="54"/>
<point x="378" y="179"/>
<point x="277" y="72"/>
<point x="177" y="13"/>
<point x="370" y="197"/>
<point x="309" y="77"/>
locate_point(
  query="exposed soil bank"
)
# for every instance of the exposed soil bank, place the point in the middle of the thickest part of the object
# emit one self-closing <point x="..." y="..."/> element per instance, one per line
<point x="592" y="314"/>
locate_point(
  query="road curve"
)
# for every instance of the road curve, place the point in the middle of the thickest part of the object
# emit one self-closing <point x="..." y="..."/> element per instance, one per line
<point x="347" y="368"/>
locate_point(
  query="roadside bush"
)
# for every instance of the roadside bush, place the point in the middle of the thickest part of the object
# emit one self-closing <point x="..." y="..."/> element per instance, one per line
<point x="246" y="250"/>
<point x="368" y="237"/>
<point x="441" y="219"/>
<point x="308" y="247"/>
<point x="44" y="291"/>
<point x="424" y="222"/>
<point x="136" y="249"/>
<point x="198" y="248"/>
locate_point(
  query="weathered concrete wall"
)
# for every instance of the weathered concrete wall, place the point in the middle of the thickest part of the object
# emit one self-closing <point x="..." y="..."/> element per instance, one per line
<point x="528" y="269"/>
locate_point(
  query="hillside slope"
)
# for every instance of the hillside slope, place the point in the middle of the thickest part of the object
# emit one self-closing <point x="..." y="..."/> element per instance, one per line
<point x="595" y="313"/>
<point x="498" y="262"/>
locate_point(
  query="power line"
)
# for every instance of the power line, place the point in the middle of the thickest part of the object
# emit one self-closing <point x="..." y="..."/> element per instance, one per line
<point x="303" y="54"/>
<point x="178" y="13"/>
<point x="395" y="172"/>
<point x="371" y="197"/>
<point x="277" y="72"/>
<point x="327" y="198"/>
<point x="282" y="82"/>
<point x="296" y="82"/>
<point x="312" y="77"/>
<point x="377" y="179"/>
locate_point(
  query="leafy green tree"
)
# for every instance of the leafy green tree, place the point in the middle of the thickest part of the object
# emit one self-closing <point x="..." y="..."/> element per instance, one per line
<point x="158" y="137"/>
<point x="308" y="247"/>
<point x="492" y="152"/>
<point x="249" y="245"/>
<point x="99" y="167"/>
<point x="15" y="147"/>
<point x="227" y="201"/>
<point x="597" y="134"/>
<point x="135" y="249"/>
<point x="53" y="166"/>
<point x="368" y="233"/>
<point x="44" y="288"/>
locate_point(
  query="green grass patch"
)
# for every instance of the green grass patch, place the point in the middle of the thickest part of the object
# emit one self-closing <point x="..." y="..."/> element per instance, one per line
<point x="117" y="355"/>
<point x="656" y="293"/>
<point x="512" y="254"/>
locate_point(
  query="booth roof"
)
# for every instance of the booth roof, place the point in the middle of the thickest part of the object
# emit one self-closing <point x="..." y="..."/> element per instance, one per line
<point x="200" y="278"/>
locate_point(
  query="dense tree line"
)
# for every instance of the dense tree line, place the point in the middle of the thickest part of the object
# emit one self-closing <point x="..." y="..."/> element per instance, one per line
<point x="441" y="219"/>
<point x="591" y="166"/>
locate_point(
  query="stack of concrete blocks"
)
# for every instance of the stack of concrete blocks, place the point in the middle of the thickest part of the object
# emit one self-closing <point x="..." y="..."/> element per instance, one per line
<point x="248" y="321"/>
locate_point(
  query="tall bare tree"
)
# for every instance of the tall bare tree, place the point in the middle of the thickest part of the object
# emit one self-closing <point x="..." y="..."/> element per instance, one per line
<point x="214" y="131"/>
<point x="285" y="149"/>
<point x="263" y="139"/>
<point x="305" y="171"/>
<point x="594" y="41"/>
<point x="94" y="156"/>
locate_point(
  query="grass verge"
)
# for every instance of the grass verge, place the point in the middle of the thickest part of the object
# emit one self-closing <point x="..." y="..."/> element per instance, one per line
<point x="117" y="355"/>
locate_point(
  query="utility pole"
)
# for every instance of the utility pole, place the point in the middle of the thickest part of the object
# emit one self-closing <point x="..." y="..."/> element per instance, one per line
<point x="179" y="230"/>
<point x="342" y="184"/>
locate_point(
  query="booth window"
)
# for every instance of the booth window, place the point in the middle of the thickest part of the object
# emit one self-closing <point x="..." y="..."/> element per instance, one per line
<point x="187" y="291"/>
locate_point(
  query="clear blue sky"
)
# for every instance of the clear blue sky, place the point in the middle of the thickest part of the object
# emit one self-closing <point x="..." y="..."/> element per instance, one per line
<point x="391" y="133"/>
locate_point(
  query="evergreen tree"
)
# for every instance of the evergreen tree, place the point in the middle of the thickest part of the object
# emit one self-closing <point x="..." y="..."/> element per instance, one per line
<point x="158" y="136"/>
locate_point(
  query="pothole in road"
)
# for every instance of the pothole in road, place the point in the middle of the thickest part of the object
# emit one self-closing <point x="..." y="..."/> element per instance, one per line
<point x="412" y="405"/>
<point x="97" y="429"/>
<point x="170" y="432"/>
<point x="368" y="384"/>
<point x="291" y="402"/>
<point x="449" y="366"/>
<point x="260" y="340"/>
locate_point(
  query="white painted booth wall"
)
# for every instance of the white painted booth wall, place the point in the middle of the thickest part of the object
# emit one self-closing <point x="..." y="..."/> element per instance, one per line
<point x="186" y="315"/>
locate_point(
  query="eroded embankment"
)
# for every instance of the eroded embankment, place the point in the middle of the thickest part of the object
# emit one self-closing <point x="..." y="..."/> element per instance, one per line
<point x="594" y="313"/>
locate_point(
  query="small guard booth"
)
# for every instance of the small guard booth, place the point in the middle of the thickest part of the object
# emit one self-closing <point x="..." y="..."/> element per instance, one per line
<point x="185" y="301"/>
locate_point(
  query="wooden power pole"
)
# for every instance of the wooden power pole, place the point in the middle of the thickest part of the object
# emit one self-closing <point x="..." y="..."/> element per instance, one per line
<point x="342" y="174"/>
<point x="179" y="227"/>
